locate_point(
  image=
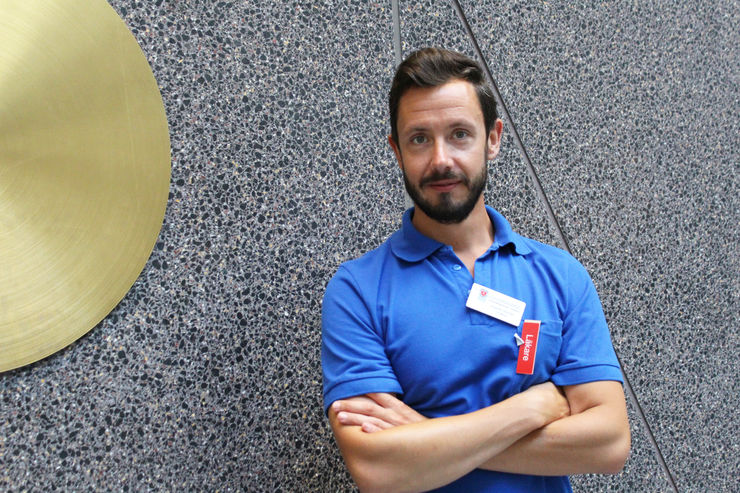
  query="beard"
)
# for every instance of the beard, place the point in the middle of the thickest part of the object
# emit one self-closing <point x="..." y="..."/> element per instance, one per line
<point x="447" y="210"/>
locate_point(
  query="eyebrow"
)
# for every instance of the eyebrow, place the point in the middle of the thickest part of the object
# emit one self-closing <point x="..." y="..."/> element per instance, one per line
<point x="454" y="124"/>
<point x="462" y="123"/>
<point x="415" y="129"/>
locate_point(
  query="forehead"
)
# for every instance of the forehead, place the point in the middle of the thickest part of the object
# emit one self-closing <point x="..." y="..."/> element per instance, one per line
<point x="425" y="106"/>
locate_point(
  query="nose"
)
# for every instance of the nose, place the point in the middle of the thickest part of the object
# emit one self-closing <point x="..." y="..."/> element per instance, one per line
<point x="441" y="156"/>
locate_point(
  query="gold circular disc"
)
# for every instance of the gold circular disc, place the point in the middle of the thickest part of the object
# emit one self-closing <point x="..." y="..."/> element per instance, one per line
<point x="84" y="171"/>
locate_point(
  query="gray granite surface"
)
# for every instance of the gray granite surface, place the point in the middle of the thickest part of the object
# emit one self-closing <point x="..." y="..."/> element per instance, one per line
<point x="627" y="111"/>
<point x="438" y="23"/>
<point x="206" y="376"/>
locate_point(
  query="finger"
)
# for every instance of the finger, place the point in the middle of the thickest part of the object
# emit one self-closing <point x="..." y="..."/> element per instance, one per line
<point x="396" y="411"/>
<point x="382" y="406"/>
<point x="391" y="403"/>
<point x="359" y="405"/>
<point x="385" y="399"/>
<point x="388" y="409"/>
<point x="564" y="400"/>
<point x="354" y="419"/>
<point x="370" y="428"/>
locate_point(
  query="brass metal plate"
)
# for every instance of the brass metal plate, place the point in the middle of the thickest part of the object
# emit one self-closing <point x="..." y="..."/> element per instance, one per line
<point x="84" y="171"/>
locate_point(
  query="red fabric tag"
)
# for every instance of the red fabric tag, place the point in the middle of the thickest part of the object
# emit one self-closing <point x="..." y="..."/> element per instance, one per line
<point x="528" y="350"/>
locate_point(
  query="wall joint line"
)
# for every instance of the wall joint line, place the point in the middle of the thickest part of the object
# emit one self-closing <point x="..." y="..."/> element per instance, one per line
<point x="395" y="15"/>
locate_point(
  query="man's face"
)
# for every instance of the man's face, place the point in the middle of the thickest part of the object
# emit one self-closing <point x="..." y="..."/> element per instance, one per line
<point x="443" y="147"/>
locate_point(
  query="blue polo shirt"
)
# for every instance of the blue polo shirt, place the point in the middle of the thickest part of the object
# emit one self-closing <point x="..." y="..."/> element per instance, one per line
<point x="395" y="320"/>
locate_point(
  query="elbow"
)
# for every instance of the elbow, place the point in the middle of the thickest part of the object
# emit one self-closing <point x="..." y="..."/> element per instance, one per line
<point x="367" y="485"/>
<point x="617" y="455"/>
<point x="372" y="478"/>
<point x="367" y="479"/>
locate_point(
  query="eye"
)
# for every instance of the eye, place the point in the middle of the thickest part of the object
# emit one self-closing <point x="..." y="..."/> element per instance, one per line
<point x="460" y="134"/>
<point x="418" y="139"/>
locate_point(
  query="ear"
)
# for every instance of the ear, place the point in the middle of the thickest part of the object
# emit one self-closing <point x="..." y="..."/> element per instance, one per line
<point x="493" y="145"/>
<point x="396" y="151"/>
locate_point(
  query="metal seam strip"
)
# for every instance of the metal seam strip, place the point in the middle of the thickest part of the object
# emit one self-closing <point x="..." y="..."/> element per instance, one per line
<point x="396" y="31"/>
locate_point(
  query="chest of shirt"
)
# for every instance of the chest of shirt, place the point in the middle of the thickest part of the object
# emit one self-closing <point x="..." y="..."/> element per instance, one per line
<point x="450" y="359"/>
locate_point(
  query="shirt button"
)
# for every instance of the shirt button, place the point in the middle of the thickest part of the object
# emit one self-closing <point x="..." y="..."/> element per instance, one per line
<point x="456" y="267"/>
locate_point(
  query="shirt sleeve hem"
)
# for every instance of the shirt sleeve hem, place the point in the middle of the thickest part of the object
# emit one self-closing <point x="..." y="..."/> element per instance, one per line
<point x="588" y="374"/>
<point x="359" y="387"/>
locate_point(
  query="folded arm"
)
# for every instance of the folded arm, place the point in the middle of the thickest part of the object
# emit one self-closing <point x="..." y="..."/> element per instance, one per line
<point x="595" y="438"/>
<point x="411" y="453"/>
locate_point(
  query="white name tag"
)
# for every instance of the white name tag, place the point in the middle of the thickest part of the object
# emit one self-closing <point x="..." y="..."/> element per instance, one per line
<point x="495" y="304"/>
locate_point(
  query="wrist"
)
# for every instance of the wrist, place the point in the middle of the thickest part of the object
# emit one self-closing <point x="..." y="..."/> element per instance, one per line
<point x="530" y="407"/>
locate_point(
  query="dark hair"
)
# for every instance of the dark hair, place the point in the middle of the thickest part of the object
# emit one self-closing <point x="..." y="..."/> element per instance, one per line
<point x="433" y="67"/>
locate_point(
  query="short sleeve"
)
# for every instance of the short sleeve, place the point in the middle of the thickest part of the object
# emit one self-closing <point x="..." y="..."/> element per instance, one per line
<point x="586" y="354"/>
<point x="353" y="356"/>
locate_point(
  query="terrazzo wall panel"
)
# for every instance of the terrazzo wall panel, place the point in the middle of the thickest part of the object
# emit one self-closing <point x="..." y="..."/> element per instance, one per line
<point x="433" y="23"/>
<point x="604" y="97"/>
<point x="206" y="376"/>
<point x="628" y="109"/>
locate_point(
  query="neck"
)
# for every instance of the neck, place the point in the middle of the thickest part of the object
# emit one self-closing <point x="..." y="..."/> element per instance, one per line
<point x="469" y="238"/>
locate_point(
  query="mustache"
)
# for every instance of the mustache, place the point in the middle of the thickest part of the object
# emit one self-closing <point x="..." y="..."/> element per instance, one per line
<point x="447" y="175"/>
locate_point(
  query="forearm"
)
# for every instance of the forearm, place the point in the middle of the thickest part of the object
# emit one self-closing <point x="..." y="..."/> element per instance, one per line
<point x="595" y="440"/>
<point x="435" y="452"/>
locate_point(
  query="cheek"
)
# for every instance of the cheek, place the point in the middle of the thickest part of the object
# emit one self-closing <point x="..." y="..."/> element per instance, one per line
<point x="412" y="164"/>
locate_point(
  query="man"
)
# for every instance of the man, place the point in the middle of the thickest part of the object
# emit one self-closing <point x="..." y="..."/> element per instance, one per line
<point x="432" y="377"/>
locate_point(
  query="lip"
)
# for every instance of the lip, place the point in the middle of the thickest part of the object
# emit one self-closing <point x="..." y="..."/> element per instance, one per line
<point x="443" y="185"/>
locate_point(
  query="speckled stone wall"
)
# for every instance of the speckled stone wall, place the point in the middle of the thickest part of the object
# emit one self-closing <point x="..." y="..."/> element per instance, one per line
<point x="206" y="376"/>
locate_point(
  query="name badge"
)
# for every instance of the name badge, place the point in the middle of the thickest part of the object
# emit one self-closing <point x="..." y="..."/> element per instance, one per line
<point x="495" y="304"/>
<point x="528" y="350"/>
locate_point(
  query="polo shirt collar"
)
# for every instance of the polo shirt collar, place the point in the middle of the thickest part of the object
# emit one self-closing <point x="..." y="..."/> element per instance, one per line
<point x="410" y="245"/>
<point x="504" y="235"/>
